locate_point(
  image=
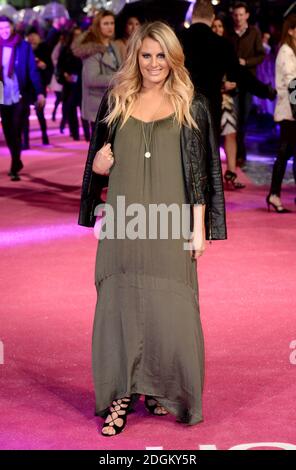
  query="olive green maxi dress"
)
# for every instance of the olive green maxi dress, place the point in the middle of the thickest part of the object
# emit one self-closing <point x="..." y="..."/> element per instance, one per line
<point x="147" y="335"/>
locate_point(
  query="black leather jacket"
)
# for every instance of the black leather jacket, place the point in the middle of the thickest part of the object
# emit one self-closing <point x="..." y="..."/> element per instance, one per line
<point x="201" y="169"/>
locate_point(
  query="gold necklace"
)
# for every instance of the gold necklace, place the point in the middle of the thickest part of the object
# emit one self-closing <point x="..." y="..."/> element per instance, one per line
<point x="147" y="142"/>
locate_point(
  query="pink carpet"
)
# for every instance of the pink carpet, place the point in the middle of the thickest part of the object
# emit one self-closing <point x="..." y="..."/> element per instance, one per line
<point x="248" y="309"/>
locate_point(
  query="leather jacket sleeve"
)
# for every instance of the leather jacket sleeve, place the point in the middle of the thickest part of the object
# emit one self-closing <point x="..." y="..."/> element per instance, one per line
<point x="93" y="183"/>
<point x="208" y="175"/>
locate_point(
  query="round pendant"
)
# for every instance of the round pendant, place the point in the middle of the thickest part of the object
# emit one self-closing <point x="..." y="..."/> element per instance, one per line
<point x="147" y="154"/>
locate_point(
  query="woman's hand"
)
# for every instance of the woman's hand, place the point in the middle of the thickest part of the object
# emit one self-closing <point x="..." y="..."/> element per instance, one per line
<point x="198" y="237"/>
<point x="103" y="160"/>
<point x="197" y="245"/>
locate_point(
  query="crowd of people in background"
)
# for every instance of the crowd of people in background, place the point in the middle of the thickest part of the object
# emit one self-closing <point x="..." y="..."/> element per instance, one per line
<point x="230" y="61"/>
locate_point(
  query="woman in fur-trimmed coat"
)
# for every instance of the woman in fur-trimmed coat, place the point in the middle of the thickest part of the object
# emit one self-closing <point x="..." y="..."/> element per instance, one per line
<point x="101" y="59"/>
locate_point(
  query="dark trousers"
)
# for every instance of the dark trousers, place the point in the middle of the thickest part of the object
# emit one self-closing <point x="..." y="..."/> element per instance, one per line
<point x="42" y="122"/>
<point x="287" y="149"/>
<point x="71" y="103"/>
<point x="244" y="104"/>
<point x="13" y="117"/>
<point x="58" y="100"/>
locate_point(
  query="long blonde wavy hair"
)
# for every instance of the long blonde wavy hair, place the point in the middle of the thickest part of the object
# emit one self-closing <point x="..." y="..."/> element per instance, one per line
<point x="127" y="82"/>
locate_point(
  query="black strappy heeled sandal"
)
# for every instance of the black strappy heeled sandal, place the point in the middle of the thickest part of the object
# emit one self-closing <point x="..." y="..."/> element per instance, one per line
<point x="118" y="411"/>
<point x="151" y="407"/>
<point x="231" y="179"/>
<point x="278" y="208"/>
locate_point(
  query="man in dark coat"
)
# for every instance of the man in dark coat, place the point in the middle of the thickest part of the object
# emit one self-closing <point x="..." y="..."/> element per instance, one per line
<point x="19" y="73"/>
<point x="208" y="57"/>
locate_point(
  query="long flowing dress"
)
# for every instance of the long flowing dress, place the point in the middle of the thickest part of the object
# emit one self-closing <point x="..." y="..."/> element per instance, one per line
<point x="147" y="335"/>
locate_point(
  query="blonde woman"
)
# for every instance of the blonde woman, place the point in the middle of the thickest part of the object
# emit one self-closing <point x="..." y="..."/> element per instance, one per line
<point x="153" y="143"/>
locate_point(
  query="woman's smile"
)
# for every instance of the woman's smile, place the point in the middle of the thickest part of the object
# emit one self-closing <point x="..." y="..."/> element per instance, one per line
<point x="154" y="72"/>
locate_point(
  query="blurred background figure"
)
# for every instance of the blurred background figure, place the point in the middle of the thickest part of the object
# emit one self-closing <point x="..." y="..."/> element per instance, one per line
<point x="228" y="119"/>
<point x="285" y="69"/>
<point x="57" y="26"/>
<point x="45" y="69"/>
<point x="69" y="74"/>
<point x="55" y="21"/>
<point x="248" y="45"/>
<point x="101" y="59"/>
<point x="131" y="24"/>
<point x="266" y="73"/>
<point x="55" y="86"/>
<point x="18" y="72"/>
<point x="209" y="58"/>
